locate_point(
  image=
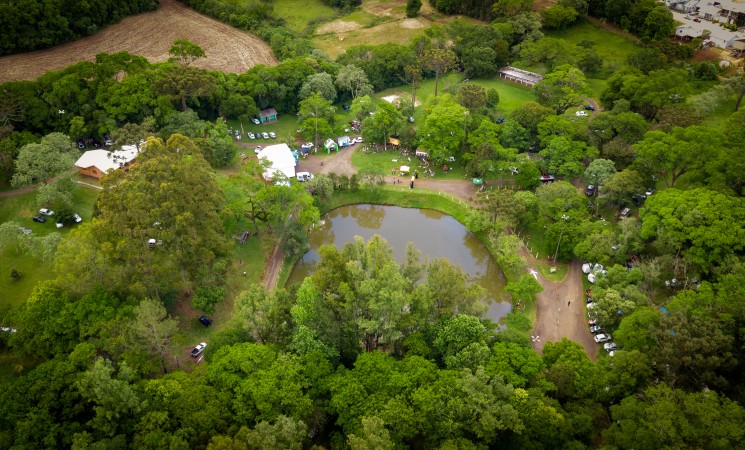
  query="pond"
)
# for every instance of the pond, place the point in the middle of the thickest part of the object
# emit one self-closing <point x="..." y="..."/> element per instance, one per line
<point x="435" y="234"/>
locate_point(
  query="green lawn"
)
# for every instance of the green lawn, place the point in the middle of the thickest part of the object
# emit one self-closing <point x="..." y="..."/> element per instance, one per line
<point x="610" y="46"/>
<point x="384" y="161"/>
<point x="21" y="209"/>
<point x="299" y="13"/>
<point x="511" y="95"/>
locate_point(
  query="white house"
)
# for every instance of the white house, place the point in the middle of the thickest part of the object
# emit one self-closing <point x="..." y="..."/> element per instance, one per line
<point x="97" y="163"/>
<point x="280" y="161"/>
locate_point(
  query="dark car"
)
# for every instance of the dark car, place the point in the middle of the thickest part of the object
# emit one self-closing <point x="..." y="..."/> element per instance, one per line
<point x="205" y="321"/>
<point x="40" y="219"/>
<point x="500" y="120"/>
<point x="345" y="107"/>
<point x="590" y="108"/>
<point x="590" y="190"/>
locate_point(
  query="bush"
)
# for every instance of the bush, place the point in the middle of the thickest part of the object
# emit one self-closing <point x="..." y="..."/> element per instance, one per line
<point x="206" y="297"/>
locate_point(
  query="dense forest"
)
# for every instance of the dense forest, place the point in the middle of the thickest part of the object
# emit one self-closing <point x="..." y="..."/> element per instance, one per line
<point x="34" y="24"/>
<point x="368" y="352"/>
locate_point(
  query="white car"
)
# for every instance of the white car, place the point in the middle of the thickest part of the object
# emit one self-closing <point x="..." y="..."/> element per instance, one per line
<point x="251" y="135"/>
<point x="257" y="149"/>
<point x="595" y="329"/>
<point x="304" y="176"/>
<point x="581" y="114"/>
<point x="77" y="218"/>
<point x="59" y="224"/>
<point x="256" y="121"/>
<point x="602" y="338"/>
<point x="198" y="349"/>
<point x="108" y="142"/>
<point x="610" y="346"/>
<point x="265" y="135"/>
<point x="591" y="305"/>
<point x="272" y="135"/>
<point x="46" y="212"/>
<point x="307" y="145"/>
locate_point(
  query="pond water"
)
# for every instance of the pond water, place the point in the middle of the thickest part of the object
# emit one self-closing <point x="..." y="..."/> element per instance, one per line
<point x="435" y="234"/>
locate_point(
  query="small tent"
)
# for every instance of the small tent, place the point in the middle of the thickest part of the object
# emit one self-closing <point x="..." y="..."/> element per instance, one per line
<point x="330" y="144"/>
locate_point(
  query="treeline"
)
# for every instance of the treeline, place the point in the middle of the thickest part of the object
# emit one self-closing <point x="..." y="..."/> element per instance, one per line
<point x="35" y="24"/>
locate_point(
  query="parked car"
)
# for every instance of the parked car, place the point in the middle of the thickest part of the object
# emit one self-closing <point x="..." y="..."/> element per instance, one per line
<point x="581" y="114"/>
<point x="204" y="320"/>
<point x="592" y="322"/>
<point x="256" y="121"/>
<point x="591" y="305"/>
<point x="590" y="108"/>
<point x="40" y="219"/>
<point x="500" y="120"/>
<point x="198" y="349"/>
<point x="411" y="119"/>
<point x="595" y="329"/>
<point x="590" y="190"/>
<point x="251" y="135"/>
<point x="59" y="224"/>
<point x="108" y="142"/>
<point x="624" y="213"/>
<point x="257" y="149"/>
<point x="304" y="176"/>
<point x="602" y="338"/>
<point x="46" y="212"/>
<point x="272" y="135"/>
<point x="610" y="346"/>
<point x="307" y="145"/>
<point x="345" y="107"/>
<point x="265" y="135"/>
<point x="77" y="218"/>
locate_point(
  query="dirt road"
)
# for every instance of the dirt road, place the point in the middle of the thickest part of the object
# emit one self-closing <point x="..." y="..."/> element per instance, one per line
<point x="562" y="313"/>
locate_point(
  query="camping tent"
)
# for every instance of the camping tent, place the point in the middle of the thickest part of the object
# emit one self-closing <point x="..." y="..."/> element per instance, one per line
<point x="404" y="170"/>
<point x="330" y="144"/>
<point x="281" y="161"/>
<point x="421" y="154"/>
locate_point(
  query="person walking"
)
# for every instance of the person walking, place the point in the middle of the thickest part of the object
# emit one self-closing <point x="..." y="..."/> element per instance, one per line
<point x="416" y="174"/>
<point x="411" y="184"/>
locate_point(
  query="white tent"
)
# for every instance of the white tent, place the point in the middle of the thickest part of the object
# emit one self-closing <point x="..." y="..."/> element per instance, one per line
<point x="281" y="160"/>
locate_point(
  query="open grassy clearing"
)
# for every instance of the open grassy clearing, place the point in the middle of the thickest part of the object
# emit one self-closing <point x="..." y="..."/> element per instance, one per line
<point x="21" y="209"/>
<point x="299" y="13"/>
<point x="150" y="35"/>
<point x="384" y="161"/>
<point x="611" y="47"/>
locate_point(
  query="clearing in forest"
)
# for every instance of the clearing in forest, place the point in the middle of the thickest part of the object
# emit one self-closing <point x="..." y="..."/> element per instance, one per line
<point x="150" y="35"/>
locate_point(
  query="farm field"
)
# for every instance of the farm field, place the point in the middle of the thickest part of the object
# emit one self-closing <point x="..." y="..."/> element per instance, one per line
<point x="150" y="35"/>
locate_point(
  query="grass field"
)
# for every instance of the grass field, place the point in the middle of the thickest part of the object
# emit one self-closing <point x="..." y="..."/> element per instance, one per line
<point x="384" y="161"/>
<point x="610" y="46"/>
<point x="21" y="209"/>
<point x="299" y="13"/>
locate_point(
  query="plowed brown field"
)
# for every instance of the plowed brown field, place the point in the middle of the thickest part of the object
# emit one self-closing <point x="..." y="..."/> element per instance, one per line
<point x="150" y="35"/>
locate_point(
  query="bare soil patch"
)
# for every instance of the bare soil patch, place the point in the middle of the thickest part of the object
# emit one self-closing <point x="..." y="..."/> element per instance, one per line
<point x="338" y="26"/>
<point x="413" y="24"/>
<point x="150" y="35"/>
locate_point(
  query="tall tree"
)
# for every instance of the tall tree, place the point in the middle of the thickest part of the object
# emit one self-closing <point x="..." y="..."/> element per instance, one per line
<point x="185" y="52"/>
<point x="439" y="61"/>
<point x="152" y="328"/>
<point x="354" y="80"/>
<point x="562" y="88"/>
<point x="35" y="163"/>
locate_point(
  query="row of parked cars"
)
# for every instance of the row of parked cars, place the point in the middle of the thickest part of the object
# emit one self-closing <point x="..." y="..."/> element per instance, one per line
<point x="601" y="337"/>
<point x="251" y="135"/>
<point x="44" y="213"/>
